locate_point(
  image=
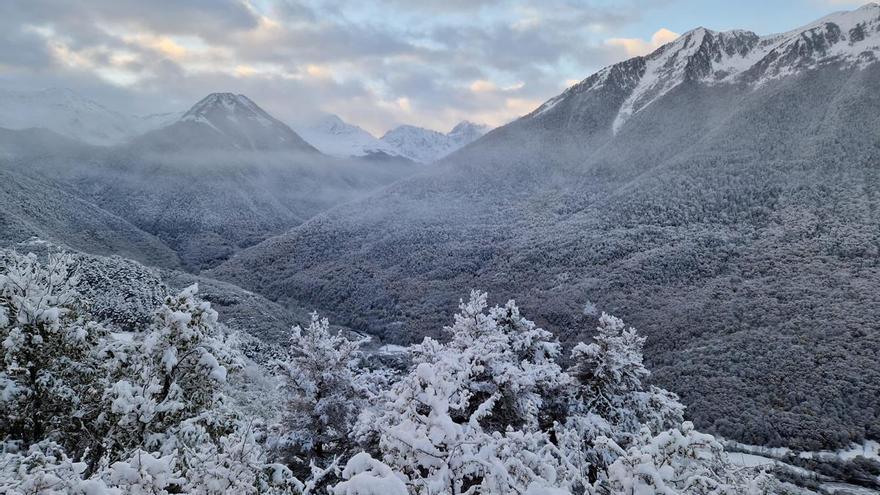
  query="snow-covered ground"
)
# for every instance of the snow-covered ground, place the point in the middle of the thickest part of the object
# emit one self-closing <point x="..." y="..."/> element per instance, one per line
<point x="868" y="450"/>
<point x="774" y="458"/>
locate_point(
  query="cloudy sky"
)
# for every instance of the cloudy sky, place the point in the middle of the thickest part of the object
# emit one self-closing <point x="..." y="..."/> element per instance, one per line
<point x="377" y="63"/>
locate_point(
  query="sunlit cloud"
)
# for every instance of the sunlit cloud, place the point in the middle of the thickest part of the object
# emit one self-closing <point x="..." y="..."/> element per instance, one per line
<point x="482" y="86"/>
<point x="379" y="63"/>
<point x="244" y="71"/>
<point x="636" y="46"/>
<point x="161" y="44"/>
<point x="319" y="71"/>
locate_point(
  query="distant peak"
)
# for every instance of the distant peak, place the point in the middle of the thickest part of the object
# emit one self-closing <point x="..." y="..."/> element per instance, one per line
<point x="332" y="118"/>
<point x="241" y="124"/>
<point x="868" y="7"/>
<point x="330" y="122"/>
<point x="224" y="103"/>
<point x="224" y="97"/>
<point x="467" y="125"/>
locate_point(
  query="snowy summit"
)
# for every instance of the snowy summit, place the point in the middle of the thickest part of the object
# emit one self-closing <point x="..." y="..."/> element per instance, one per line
<point x="733" y="57"/>
<point x="227" y="121"/>
<point x="333" y="136"/>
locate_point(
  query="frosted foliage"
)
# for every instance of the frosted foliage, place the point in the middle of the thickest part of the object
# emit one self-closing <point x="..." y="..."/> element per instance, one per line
<point x="449" y="424"/>
<point x="321" y="384"/>
<point x="49" y="348"/>
<point x="87" y="410"/>
<point x="364" y="475"/>
<point x="678" y="461"/>
<point x="609" y="374"/>
<point x="152" y="409"/>
<point x="181" y="369"/>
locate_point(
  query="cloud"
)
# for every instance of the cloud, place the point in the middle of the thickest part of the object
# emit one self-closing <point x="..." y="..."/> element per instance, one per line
<point x="378" y="63"/>
<point x="635" y="46"/>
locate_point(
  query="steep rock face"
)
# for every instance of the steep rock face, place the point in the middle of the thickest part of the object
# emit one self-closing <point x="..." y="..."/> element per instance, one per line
<point x="225" y="121"/>
<point x="719" y="200"/>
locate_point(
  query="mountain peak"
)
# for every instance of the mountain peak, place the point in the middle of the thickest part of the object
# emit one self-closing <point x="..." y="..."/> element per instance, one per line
<point x="333" y="123"/>
<point x="850" y="38"/>
<point x="333" y="136"/>
<point x="65" y="112"/>
<point x="227" y="105"/>
<point x="468" y="126"/>
<point x="229" y="120"/>
<point x="427" y="145"/>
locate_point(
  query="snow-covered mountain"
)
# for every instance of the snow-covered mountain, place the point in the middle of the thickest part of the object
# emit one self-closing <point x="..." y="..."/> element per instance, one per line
<point x="847" y="38"/>
<point x="226" y="121"/>
<point x="72" y="115"/>
<point x="146" y="123"/>
<point x="466" y="132"/>
<point x="425" y="145"/>
<point x="335" y="137"/>
<point x="65" y="112"/>
<point x="720" y="191"/>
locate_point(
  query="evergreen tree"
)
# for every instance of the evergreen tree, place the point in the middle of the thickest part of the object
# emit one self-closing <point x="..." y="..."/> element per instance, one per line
<point x="50" y="377"/>
<point x="466" y="417"/>
<point x="609" y="375"/>
<point x="324" y="392"/>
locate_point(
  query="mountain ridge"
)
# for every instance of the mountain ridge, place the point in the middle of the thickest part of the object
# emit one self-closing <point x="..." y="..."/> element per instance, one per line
<point x="335" y="137"/>
<point x="731" y="222"/>
<point x="426" y="145"/>
<point x="736" y="56"/>
<point x="69" y="114"/>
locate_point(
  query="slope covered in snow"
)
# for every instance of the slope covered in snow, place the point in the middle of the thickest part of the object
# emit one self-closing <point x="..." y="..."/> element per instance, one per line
<point x="426" y="146"/>
<point x="731" y="217"/>
<point x="226" y="121"/>
<point x="845" y="38"/>
<point x="65" y="112"/>
<point x="335" y="137"/>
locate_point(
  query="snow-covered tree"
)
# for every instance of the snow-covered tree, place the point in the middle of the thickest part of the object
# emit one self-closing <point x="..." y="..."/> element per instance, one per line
<point x="171" y="400"/>
<point x="509" y="360"/>
<point x="610" y="398"/>
<point x="467" y="416"/>
<point x="610" y="374"/>
<point x="678" y="461"/>
<point x="50" y="378"/>
<point x="323" y="393"/>
<point x="87" y="409"/>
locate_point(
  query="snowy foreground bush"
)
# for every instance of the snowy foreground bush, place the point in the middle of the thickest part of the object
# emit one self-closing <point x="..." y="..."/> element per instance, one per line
<point x="86" y="408"/>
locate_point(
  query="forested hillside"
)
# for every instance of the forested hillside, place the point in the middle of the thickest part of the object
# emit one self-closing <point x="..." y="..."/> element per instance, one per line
<point x="732" y="219"/>
<point x="98" y="400"/>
